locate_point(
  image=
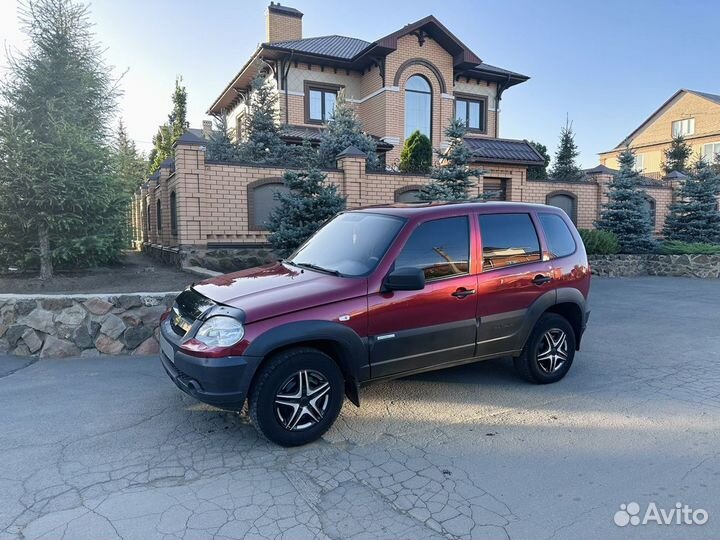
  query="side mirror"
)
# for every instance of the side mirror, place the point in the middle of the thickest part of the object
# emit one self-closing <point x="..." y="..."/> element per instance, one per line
<point x="405" y="279"/>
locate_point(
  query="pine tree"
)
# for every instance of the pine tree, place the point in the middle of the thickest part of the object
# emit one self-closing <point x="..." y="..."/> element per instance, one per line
<point x="172" y="130"/>
<point x="565" y="166"/>
<point x="677" y="155"/>
<point x="263" y="144"/>
<point x="626" y="213"/>
<point x="130" y="166"/>
<point x="539" y="172"/>
<point x="220" y="147"/>
<point x="343" y="130"/>
<point x="695" y="216"/>
<point x="310" y="202"/>
<point x="60" y="199"/>
<point x="416" y="155"/>
<point x="451" y="180"/>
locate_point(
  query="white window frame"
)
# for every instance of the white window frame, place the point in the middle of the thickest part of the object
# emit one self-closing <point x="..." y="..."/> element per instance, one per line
<point x="714" y="150"/>
<point x="639" y="163"/>
<point x="683" y="127"/>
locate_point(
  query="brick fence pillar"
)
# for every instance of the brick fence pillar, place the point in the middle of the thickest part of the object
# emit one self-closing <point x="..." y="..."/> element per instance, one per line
<point x="353" y="163"/>
<point x="190" y="189"/>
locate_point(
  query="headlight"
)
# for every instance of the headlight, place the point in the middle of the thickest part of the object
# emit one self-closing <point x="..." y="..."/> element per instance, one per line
<point x="220" y="332"/>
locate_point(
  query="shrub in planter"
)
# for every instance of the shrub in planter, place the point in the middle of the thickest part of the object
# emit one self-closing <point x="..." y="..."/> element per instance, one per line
<point x="676" y="247"/>
<point x="599" y="242"/>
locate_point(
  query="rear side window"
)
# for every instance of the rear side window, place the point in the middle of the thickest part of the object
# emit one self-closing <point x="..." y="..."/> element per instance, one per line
<point x="508" y="239"/>
<point x="559" y="238"/>
<point x="441" y="248"/>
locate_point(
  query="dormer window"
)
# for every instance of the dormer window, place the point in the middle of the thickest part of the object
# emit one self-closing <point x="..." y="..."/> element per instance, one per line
<point x="472" y="111"/>
<point x="683" y="127"/>
<point x="319" y="102"/>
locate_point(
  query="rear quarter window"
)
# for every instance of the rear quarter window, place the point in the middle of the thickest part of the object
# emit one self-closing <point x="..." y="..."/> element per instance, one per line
<point x="559" y="238"/>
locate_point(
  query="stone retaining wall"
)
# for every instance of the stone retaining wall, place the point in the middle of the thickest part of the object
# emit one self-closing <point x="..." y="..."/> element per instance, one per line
<point x="701" y="266"/>
<point x="81" y="325"/>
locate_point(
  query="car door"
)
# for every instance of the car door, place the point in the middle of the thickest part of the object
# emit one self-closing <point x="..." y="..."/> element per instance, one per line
<point x="416" y="330"/>
<point x="514" y="280"/>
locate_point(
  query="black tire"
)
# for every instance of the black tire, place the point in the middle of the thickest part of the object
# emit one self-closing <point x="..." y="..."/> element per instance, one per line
<point x="289" y="371"/>
<point x="552" y="366"/>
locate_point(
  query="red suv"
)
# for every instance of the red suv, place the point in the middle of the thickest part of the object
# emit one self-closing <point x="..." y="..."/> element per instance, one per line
<point x="379" y="293"/>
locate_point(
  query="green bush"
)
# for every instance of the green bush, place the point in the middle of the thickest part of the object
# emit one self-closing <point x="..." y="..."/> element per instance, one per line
<point x="416" y="155"/>
<point x="676" y="247"/>
<point x="599" y="242"/>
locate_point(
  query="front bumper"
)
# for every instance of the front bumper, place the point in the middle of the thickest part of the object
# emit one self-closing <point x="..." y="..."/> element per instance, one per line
<point x="222" y="382"/>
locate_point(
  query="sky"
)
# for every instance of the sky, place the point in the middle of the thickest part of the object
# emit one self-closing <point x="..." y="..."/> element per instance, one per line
<point x="604" y="65"/>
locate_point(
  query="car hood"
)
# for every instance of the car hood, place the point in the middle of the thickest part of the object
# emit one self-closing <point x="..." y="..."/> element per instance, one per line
<point x="277" y="289"/>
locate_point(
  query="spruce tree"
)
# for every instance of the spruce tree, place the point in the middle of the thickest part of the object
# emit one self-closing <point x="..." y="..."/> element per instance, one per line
<point x="220" y="147"/>
<point x="677" y="155"/>
<point x="343" y="130"/>
<point x="451" y="179"/>
<point x="172" y="130"/>
<point x="539" y="172"/>
<point x="310" y="202"/>
<point x="130" y="166"/>
<point x="263" y="144"/>
<point x="695" y="216"/>
<point x="60" y="198"/>
<point x="565" y="166"/>
<point x="626" y="213"/>
<point x="416" y="155"/>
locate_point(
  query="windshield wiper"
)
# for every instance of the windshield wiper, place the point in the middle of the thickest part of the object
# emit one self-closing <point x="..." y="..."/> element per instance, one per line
<point x="318" y="268"/>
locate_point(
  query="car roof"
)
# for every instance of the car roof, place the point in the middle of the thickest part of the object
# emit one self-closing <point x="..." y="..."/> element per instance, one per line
<point x="442" y="208"/>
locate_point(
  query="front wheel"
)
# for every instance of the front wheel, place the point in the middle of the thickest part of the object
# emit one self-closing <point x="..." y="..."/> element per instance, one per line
<point x="549" y="351"/>
<point x="296" y="397"/>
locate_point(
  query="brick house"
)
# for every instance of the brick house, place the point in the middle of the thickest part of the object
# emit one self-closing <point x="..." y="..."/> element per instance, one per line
<point x="418" y="77"/>
<point x="694" y="115"/>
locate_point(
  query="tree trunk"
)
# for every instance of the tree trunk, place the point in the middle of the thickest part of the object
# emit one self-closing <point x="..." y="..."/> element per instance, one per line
<point x="46" y="267"/>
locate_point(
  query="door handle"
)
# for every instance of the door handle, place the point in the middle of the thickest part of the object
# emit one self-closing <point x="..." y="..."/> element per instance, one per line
<point x="463" y="292"/>
<point x="541" y="279"/>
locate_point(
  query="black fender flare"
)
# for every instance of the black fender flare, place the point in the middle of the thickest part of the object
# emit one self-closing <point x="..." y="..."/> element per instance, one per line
<point x="352" y="350"/>
<point x="561" y="295"/>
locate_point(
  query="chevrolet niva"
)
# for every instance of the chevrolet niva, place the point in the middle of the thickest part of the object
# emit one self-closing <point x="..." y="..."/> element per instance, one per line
<point x="380" y="293"/>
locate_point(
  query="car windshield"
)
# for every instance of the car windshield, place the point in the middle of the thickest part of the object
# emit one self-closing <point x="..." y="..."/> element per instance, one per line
<point x="351" y="244"/>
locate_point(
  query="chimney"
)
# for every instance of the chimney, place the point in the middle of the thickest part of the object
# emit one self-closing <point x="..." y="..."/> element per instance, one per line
<point x="283" y="23"/>
<point x="207" y="129"/>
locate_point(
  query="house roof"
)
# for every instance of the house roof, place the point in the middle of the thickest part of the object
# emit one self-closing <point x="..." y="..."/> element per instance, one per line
<point x="353" y="53"/>
<point x="503" y="151"/>
<point x="677" y="95"/>
<point x="600" y="169"/>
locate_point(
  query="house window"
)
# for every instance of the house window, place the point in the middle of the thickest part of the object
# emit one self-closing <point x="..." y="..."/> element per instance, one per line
<point x="319" y="102"/>
<point x="408" y="195"/>
<point x="239" y="123"/>
<point x="263" y="202"/>
<point x="472" y="112"/>
<point x="495" y="189"/>
<point x="566" y="202"/>
<point x="710" y="152"/>
<point x="683" y="127"/>
<point x="639" y="163"/>
<point x="418" y="106"/>
<point x="173" y="213"/>
<point x="158" y="215"/>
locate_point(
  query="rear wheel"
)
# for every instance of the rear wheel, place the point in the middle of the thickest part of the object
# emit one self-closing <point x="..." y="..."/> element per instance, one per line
<point x="549" y="351"/>
<point x="297" y="396"/>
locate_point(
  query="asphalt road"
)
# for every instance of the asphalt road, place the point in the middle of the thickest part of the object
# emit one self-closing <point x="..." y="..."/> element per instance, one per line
<point x="109" y="448"/>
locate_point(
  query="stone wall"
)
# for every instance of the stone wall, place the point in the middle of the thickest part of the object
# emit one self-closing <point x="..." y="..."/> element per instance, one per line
<point x="701" y="266"/>
<point x="229" y="259"/>
<point x="75" y="325"/>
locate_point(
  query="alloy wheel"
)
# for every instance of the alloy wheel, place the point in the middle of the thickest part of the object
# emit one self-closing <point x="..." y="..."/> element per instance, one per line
<point x="302" y="400"/>
<point x="552" y="351"/>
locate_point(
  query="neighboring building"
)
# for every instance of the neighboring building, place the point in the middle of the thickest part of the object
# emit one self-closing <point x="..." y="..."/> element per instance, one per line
<point x="418" y="77"/>
<point x="694" y="115"/>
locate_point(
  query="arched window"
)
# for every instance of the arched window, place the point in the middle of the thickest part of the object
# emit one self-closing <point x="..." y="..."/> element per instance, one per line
<point x="650" y="209"/>
<point x="408" y="194"/>
<point x="262" y="201"/>
<point x="418" y="106"/>
<point x="158" y="213"/>
<point x="564" y="200"/>
<point x="173" y="213"/>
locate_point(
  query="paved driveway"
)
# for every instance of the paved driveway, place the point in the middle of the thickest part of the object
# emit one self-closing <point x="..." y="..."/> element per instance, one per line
<point x="109" y="448"/>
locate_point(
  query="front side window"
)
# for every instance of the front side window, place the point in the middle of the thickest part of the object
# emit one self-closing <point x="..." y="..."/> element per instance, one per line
<point x="683" y="127"/>
<point x="559" y="238"/>
<point x="351" y="244"/>
<point x="440" y="248"/>
<point x="710" y="152"/>
<point x="320" y="104"/>
<point x="507" y="240"/>
<point x="471" y="112"/>
<point x="418" y="106"/>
